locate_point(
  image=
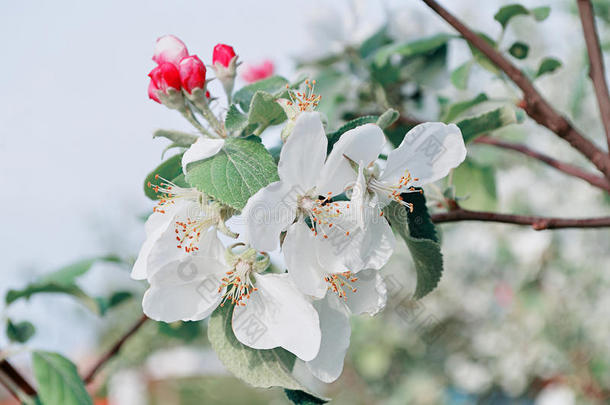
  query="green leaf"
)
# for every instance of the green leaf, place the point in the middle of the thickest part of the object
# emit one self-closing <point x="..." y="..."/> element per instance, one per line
<point x="235" y="121"/>
<point x="259" y="368"/>
<point x="411" y="48"/>
<point x="178" y="138"/>
<point x="476" y="182"/>
<point x="169" y="169"/>
<point x="333" y="137"/>
<point x="58" y="380"/>
<point x="419" y="221"/>
<point x="233" y="175"/>
<point x="459" y="77"/>
<point x="426" y="253"/>
<point x="303" y="398"/>
<point x="186" y="331"/>
<point x="66" y="275"/>
<point x="480" y="57"/>
<point x="374" y="42"/>
<point x="481" y="124"/>
<point x="274" y="85"/>
<point x="387" y="118"/>
<point x="264" y="111"/>
<point x="19" y="332"/>
<point x="548" y="65"/>
<point x="519" y="50"/>
<point x="504" y="15"/>
<point x="456" y="109"/>
<point x="36" y="288"/>
<point x="541" y="13"/>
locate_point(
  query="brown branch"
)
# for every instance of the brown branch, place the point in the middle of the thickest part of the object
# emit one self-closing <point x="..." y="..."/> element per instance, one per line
<point x="534" y="104"/>
<point x="596" y="63"/>
<point x="536" y="222"/>
<point x="16" y="377"/>
<point x="593" y="179"/>
<point x="113" y="350"/>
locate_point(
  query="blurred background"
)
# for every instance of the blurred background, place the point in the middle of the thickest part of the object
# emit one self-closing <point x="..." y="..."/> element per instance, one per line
<point x="520" y="317"/>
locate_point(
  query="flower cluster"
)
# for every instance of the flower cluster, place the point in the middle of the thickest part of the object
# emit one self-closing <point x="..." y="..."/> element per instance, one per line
<point x="325" y="213"/>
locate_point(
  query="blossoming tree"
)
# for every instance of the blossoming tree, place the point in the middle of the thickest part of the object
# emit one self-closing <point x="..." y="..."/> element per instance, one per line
<point x="327" y="202"/>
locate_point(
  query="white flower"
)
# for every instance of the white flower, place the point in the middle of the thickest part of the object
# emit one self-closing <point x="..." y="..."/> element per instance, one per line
<point x="427" y="153"/>
<point x="268" y="310"/>
<point x="174" y="228"/>
<point x="334" y="313"/>
<point x="331" y="243"/>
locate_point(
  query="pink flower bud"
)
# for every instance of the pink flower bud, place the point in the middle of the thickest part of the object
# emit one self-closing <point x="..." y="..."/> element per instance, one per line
<point x="162" y="78"/>
<point x="169" y="49"/>
<point x="192" y="73"/>
<point x="152" y="92"/>
<point x="253" y="73"/>
<point x="223" y="54"/>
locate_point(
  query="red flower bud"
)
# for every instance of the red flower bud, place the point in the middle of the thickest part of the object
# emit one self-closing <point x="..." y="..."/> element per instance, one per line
<point x="169" y="49"/>
<point x="192" y="73"/>
<point x="253" y="73"/>
<point x="223" y="54"/>
<point x="162" y="78"/>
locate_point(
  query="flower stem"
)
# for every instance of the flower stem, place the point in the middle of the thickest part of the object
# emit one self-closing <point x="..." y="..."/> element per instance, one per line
<point x="188" y="114"/>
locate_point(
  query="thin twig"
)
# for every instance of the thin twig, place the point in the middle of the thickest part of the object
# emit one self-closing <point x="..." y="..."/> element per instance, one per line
<point x="113" y="350"/>
<point x="536" y="222"/>
<point x="7" y="369"/>
<point x="572" y="170"/>
<point x="533" y="102"/>
<point x="596" y="63"/>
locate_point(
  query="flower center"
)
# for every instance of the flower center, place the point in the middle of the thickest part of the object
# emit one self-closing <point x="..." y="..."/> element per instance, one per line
<point x="303" y="101"/>
<point x="238" y="282"/>
<point x="200" y="215"/>
<point x="323" y="214"/>
<point x="394" y="191"/>
<point x="339" y="283"/>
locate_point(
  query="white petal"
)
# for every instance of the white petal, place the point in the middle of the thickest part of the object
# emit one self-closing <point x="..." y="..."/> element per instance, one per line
<point x="358" y="197"/>
<point x="202" y="149"/>
<point x="156" y="225"/>
<point x="336" y="331"/>
<point x="370" y="296"/>
<point x="184" y="290"/>
<point x="427" y="152"/>
<point x="378" y="240"/>
<point x="361" y="144"/>
<point x="304" y="152"/>
<point x="268" y="213"/>
<point x="277" y="315"/>
<point x="301" y="256"/>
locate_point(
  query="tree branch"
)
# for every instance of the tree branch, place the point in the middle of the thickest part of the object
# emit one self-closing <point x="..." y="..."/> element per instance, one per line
<point x="7" y="369"/>
<point x="534" y="104"/>
<point x="596" y="63"/>
<point x="595" y="180"/>
<point x="538" y="223"/>
<point x="113" y="350"/>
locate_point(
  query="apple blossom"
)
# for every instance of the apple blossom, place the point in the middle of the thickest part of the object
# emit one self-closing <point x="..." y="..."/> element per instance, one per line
<point x="298" y="102"/>
<point x="192" y="287"/>
<point x="192" y="73"/>
<point x="314" y="253"/>
<point x="175" y="227"/>
<point x="169" y="49"/>
<point x="253" y="73"/>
